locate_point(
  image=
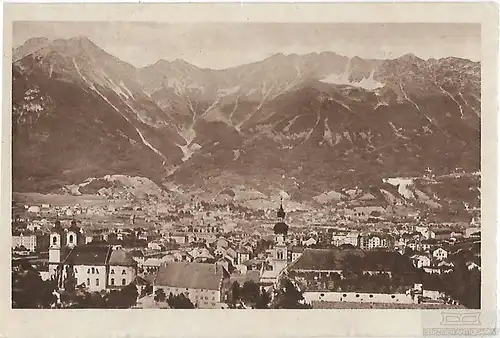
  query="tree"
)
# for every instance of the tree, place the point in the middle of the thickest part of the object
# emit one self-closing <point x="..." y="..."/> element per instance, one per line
<point x="160" y="296"/>
<point x="148" y="289"/>
<point x="70" y="281"/>
<point x="264" y="299"/>
<point x="288" y="296"/>
<point x="179" y="302"/>
<point x="250" y="292"/>
<point x="29" y="291"/>
<point x="235" y="292"/>
<point x="123" y="299"/>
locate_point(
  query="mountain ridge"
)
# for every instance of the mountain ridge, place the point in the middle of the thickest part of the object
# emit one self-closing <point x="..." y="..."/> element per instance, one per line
<point x="314" y="117"/>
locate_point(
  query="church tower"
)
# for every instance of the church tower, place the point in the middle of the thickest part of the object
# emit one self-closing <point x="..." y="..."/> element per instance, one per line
<point x="73" y="235"/>
<point x="280" y="252"/>
<point x="57" y="242"/>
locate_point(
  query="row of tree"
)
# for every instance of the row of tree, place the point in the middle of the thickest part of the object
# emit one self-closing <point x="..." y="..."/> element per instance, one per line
<point x="249" y="295"/>
<point x="174" y="301"/>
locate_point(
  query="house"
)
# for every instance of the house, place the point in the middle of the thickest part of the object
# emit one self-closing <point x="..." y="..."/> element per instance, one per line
<point x="296" y="252"/>
<point x="440" y="253"/>
<point x="426" y="244"/>
<point x="204" y="284"/>
<point x="122" y="269"/>
<point x="201" y="254"/>
<point x="242" y="256"/>
<point x="310" y="241"/>
<point x="420" y="261"/>
<point x="183" y="257"/>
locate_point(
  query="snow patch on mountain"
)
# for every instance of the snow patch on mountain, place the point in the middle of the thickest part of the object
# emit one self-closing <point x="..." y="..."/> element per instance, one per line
<point x="327" y="134"/>
<point x="403" y="185"/>
<point x="368" y="83"/>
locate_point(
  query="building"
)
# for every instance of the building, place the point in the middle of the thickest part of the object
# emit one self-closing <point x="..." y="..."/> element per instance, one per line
<point x="27" y="241"/>
<point x="204" y="284"/>
<point x="280" y="250"/>
<point x="421" y="261"/>
<point x="371" y="241"/>
<point x="296" y="252"/>
<point x="122" y="269"/>
<point x="97" y="267"/>
<point x="345" y="238"/>
<point x="442" y="234"/>
<point x="440" y="254"/>
<point x="243" y="256"/>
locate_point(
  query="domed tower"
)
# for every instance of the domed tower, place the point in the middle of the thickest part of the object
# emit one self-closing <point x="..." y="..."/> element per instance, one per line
<point x="280" y="232"/>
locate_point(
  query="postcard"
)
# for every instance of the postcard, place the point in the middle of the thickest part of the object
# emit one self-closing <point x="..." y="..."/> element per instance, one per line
<point x="275" y="170"/>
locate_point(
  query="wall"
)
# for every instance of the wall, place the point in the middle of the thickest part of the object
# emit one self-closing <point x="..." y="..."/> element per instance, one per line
<point x="201" y="298"/>
<point x="359" y="297"/>
<point x="118" y="275"/>
<point x="84" y="272"/>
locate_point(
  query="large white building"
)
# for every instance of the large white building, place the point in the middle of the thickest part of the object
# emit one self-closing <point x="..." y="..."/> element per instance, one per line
<point x="345" y="237"/>
<point x="27" y="241"/>
<point x="97" y="267"/>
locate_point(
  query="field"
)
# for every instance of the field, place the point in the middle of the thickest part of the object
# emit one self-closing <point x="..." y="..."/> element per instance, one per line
<point x="36" y="198"/>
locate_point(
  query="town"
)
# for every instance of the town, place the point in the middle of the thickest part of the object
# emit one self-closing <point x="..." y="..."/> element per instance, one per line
<point x="225" y="256"/>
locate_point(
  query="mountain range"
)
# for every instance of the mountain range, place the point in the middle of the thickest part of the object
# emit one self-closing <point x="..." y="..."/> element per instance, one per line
<point x="304" y="124"/>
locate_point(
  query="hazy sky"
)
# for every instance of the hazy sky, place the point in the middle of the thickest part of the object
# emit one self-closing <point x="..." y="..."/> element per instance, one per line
<point x="229" y="44"/>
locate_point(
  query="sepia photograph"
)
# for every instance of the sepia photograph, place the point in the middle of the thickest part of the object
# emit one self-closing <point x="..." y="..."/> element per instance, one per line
<point x="305" y="170"/>
<point x="246" y="165"/>
<point x="247" y="170"/>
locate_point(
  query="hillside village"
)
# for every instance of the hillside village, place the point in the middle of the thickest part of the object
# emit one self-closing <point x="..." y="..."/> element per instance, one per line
<point x="209" y="255"/>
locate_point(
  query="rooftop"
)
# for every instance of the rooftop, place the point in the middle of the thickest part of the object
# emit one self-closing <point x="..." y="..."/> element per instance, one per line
<point x="120" y="257"/>
<point x="190" y="275"/>
<point x="88" y="255"/>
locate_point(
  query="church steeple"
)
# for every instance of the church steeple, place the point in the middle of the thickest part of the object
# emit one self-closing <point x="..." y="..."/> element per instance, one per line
<point x="281" y="227"/>
<point x="281" y="212"/>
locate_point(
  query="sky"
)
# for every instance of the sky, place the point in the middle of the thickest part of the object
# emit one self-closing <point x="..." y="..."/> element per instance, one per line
<point x="223" y="45"/>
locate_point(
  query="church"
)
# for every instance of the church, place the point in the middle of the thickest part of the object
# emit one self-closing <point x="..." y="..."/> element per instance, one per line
<point x="96" y="267"/>
<point x="279" y="252"/>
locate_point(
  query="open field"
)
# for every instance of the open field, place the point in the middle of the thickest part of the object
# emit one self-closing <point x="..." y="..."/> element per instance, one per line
<point x="37" y="198"/>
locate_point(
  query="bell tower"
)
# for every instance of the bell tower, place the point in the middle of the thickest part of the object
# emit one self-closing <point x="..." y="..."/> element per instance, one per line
<point x="280" y="252"/>
<point x="55" y="247"/>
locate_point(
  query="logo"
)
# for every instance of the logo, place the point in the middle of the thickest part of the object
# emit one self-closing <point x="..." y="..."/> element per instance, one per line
<point x="468" y="318"/>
